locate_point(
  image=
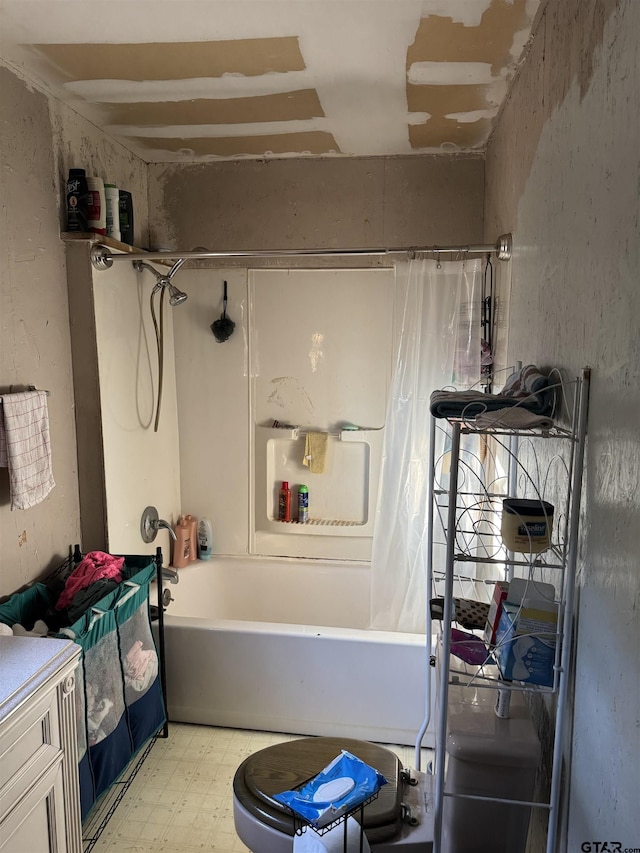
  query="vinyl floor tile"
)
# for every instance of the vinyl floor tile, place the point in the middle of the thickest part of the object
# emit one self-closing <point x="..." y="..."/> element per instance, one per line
<point x="181" y="799"/>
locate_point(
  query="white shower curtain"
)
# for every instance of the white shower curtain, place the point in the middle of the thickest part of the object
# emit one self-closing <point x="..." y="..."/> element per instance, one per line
<point x="439" y="347"/>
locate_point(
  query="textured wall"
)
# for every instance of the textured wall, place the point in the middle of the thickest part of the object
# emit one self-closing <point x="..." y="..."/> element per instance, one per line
<point x="298" y="204"/>
<point x="40" y="140"/>
<point x="563" y="172"/>
<point x="35" y="342"/>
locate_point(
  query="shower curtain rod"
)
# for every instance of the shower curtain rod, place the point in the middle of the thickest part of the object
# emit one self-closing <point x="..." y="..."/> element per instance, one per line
<point x="102" y="257"/>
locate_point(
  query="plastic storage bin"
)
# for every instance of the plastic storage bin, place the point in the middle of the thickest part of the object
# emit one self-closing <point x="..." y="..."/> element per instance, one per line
<point x="526" y="525"/>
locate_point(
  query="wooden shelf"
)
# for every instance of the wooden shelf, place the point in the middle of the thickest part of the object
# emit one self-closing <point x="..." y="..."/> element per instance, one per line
<point x="91" y="238"/>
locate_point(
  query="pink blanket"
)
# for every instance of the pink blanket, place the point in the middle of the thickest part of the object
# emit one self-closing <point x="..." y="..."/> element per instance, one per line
<point x="95" y="566"/>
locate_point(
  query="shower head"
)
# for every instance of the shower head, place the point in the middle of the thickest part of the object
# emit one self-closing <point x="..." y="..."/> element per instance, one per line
<point x="176" y="297"/>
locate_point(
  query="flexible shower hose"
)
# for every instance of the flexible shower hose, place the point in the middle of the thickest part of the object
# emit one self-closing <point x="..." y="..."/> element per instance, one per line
<point x="159" y="330"/>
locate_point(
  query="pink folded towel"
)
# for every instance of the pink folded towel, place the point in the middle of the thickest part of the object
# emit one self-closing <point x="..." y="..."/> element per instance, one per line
<point x="25" y="448"/>
<point x="95" y="566"/>
<point x="137" y="660"/>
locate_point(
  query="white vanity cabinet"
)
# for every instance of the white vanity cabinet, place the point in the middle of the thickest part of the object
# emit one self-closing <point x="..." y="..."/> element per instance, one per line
<point x="39" y="789"/>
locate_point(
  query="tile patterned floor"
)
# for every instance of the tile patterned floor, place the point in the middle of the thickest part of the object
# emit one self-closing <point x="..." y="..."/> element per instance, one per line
<point x="181" y="799"/>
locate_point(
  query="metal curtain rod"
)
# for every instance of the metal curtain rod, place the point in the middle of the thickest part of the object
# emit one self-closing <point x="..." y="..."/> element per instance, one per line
<point x="102" y="258"/>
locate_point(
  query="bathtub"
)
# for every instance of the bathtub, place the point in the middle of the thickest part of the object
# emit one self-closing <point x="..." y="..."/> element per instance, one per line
<point x="283" y="645"/>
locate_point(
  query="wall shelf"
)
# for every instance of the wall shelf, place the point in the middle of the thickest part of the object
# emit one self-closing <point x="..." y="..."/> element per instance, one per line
<point x="342" y="499"/>
<point x="102" y="239"/>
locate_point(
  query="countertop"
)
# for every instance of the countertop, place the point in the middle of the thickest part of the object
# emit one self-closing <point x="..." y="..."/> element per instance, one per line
<point x="26" y="662"/>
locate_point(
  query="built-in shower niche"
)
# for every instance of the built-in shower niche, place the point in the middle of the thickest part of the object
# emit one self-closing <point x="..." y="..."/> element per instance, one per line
<point x="342" y="498"/>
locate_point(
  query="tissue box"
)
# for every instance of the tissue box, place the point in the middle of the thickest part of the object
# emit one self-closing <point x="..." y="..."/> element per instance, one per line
<point x="526" y="644"/>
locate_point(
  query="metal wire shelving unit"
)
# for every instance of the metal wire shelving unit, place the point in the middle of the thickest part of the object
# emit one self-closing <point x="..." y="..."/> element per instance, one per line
<point x="301" y="825"/>
<point x="472" y="471"/>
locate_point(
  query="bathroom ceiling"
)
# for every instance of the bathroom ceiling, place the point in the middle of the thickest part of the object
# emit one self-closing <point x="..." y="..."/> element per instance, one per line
<point x="199" y="80"/>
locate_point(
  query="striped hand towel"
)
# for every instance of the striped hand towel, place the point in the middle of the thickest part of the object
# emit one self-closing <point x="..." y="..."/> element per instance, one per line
<point x="25" y="448"/>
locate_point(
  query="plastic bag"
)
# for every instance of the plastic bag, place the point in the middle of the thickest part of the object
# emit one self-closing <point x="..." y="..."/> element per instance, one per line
<point x="345" y="783"/>
<point x="469" y="648"/>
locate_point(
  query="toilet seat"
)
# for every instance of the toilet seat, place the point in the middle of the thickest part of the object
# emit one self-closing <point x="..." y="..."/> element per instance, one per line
<point x="289" y="765"/>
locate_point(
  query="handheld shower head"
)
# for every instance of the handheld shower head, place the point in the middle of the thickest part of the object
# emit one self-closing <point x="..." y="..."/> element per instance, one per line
<point x="176" y="297"/>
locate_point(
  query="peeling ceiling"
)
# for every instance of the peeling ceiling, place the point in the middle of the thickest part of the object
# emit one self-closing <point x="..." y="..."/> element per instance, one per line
<point x="199" y="80"/>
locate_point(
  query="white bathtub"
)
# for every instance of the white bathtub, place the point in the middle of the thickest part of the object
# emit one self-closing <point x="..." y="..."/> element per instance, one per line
<point x="282" y="645"/>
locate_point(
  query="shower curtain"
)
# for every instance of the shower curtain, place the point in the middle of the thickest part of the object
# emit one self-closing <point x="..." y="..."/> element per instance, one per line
<point x="439" y="346"/>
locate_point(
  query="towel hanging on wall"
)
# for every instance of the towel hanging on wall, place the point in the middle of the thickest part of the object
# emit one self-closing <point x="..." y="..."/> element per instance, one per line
<point x="25" y="447"/>
<point x="315" y="451"/>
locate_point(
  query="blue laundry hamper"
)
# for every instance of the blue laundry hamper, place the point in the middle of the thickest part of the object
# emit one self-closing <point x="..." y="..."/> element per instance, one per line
<point x="119" y="695"/>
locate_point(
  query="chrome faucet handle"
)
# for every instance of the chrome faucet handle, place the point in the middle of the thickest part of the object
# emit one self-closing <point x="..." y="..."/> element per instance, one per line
<point x="165" y="524"/>
<point x="150" y="523"/>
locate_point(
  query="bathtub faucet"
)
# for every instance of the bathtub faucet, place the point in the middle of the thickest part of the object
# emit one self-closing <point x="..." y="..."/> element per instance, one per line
<point x="170" y="575"/>
<point x="150" y="523"/>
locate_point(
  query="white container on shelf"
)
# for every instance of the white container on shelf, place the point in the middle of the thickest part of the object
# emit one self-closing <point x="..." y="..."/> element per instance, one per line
<point x="205" y="539"/>
<point x="526" y="524"/>
<point x="97" y="213"/>
<point x="112" y="200"/>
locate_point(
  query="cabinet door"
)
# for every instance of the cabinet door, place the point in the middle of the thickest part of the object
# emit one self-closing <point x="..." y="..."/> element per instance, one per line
<point x="37" y="821"/>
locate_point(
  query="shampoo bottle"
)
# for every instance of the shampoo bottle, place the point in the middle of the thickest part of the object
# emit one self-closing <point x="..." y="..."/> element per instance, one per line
<point x="77" y="191"/>
<point x="182" y="544"/>
<point x="205" y="539"/>
<point x="125" y="203"/>
<point x="284" y="502"/>
<point x="193" y="536"/>
<point x="97" y="206"/>
<point x="112" y="199"/>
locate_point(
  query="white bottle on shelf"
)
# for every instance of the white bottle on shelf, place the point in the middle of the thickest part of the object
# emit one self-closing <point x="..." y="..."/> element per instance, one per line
<point x="112" y="200"/>
<point x="205" y="539"/>
<point x="97" y="213"/>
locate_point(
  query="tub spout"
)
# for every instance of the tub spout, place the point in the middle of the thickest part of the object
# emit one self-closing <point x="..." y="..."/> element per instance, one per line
<point x="170" y="575"/>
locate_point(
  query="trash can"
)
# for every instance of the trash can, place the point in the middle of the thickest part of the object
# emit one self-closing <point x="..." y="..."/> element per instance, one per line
<point x="490" y="757"/>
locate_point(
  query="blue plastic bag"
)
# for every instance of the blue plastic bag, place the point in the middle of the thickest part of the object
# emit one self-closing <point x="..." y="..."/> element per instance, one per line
<point x="343" y="785"/>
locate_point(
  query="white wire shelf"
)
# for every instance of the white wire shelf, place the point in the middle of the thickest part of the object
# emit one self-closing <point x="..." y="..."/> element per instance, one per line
<point x="472" y="470"/>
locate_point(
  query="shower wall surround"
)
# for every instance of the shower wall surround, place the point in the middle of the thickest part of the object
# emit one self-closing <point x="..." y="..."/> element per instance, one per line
<point x="124" y="465"/>
<point x="312" y="349"/>
<point x="321" y="345"/>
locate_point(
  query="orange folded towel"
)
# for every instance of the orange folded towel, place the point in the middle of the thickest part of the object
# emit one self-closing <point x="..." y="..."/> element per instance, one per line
<point x="315" y="451"/>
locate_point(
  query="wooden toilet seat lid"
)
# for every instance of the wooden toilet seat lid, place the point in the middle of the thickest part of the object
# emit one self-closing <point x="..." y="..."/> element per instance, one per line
<point x="288" y="765"/>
